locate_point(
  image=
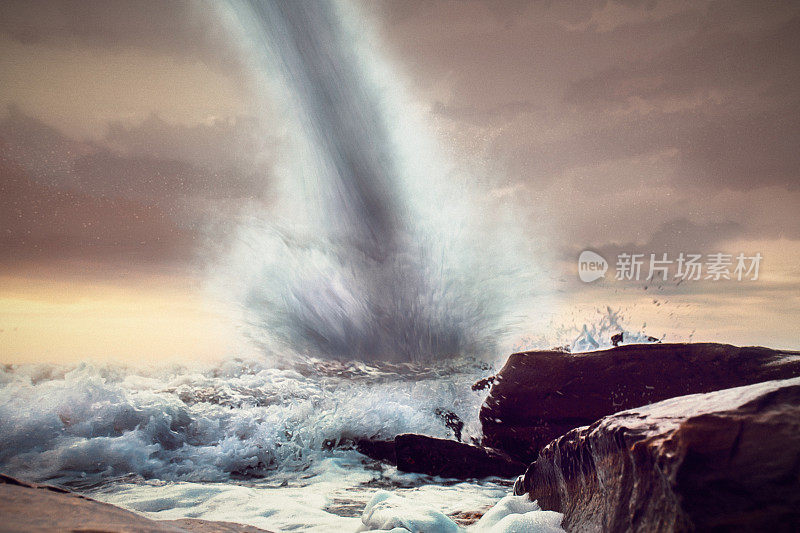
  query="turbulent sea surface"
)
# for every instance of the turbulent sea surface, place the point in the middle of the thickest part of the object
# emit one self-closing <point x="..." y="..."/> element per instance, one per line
<point x="238" y="441"/>
<point x="255" y="442"/>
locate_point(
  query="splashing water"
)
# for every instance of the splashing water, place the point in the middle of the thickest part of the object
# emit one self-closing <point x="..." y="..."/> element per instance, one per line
<point x="385" y="258"/>
<point x="244" y="441"/>
<point x="238" y="440"/>
<point x="598" y="334"/>
<point x="236" y="418"/>
<point x="592" y="331"/>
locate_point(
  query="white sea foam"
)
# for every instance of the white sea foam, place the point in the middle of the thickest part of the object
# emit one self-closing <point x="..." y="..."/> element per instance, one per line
<point x="589" y="334"/>
<point x="239" y="441"/>
<point x="238" y="418"/>
<point x="387" y="511"/>
<point x="244" y="441"/>
<point x="517" y="514"/>
<point x="334" y="500"/>
<point x="512" y="514"/>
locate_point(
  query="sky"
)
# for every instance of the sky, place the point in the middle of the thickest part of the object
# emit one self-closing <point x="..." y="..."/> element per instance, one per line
<point x="133" y="135"/>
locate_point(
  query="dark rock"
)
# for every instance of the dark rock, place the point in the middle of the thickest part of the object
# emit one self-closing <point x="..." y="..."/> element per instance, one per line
<point x="722" y="461"/>
<point x="380" y="450"/>
<point x="539" y="396"/>
<point x="440" y="457"/>
<point x="448" y="458"/>
<point x="484" y="383"/>
<point x="452" y="422"/>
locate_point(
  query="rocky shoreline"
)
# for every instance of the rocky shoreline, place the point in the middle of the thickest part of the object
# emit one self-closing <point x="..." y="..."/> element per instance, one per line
<point x="646" y="437"/>
<point x="538" y="396"/>
<point x="662" y="437"/>
<point x="722" y="461"/>
<point x="650" y="437"/>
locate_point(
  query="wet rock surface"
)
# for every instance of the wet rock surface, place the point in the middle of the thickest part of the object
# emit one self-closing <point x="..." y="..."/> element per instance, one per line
<point x="541" y="395"/>
<point x="422" y="454"/>
<point x="33" y="507"/>
<point x="448" y="458"/>
<point x="380" y="450"/>
<point x="722" y="461"/>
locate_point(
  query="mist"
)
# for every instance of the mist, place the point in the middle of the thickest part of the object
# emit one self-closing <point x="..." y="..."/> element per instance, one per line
<point x="385" y="259"/>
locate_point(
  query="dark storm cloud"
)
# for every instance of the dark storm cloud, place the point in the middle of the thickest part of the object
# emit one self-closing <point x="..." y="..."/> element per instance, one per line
<point x="183" y="29"/>
<point x="42" y="223"/>
<point x="740" y="129"/>
<point x="153" y="161"/>
<point x="647" y="121"/>
<point x="674" y="237"/>
<point x="143" y="196"/>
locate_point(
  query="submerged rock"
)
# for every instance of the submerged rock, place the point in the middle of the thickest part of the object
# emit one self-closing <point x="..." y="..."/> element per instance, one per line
<point x="448" y="458"/>
<point x="452" y="422"/>
<point x="541" y="395"/>
<point x="484" y="383"/>
<point x="722" y="461"/>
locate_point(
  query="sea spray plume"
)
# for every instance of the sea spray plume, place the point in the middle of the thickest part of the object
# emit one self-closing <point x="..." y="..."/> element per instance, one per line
<point x="341" y="114"/>
<point x="387" y="269"/>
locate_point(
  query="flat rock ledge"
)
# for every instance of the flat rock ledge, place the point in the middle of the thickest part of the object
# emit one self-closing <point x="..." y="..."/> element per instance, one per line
<point x="422" y="454"/>
<point x="722" y="461"/>
<point x="32" y="507"/>
<point x="538" y="396"/>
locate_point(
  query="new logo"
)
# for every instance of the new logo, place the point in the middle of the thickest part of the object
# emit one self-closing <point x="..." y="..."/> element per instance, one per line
<point x="591" y="266"/>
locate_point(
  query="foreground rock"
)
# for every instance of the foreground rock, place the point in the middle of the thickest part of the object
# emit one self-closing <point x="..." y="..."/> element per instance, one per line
<point x="723" y="461"/>
<point x="539" y="396"/>
<point x="441" y="457"/>
<point x="448" y="458"/>
<point x="31" y="507"/>
<point x="380" y="450"/>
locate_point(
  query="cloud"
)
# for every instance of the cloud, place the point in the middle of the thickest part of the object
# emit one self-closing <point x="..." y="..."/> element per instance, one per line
<point x="680" y="235"/>
<point x="154" y="161"/>
<point x="723" y="100"/>
<point x="82" y="64"/>
<point x="182" y="29"/>
<point x="722" y="57"/>
<point x="42" y="223"/>
<point x="482" y="117"/>
<point x="704" y="92"/>
<point x="143" y="195"/>
<point x="619" y="122"/>
<point x="239" y="145"/>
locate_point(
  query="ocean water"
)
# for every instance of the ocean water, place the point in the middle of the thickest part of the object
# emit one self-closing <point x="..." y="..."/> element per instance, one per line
<point x="243" y="441"/>
<point x="261" y="443"/>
